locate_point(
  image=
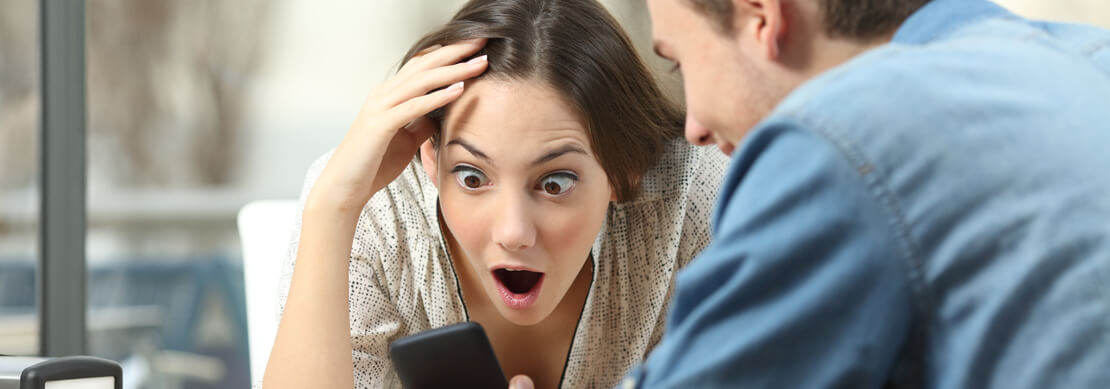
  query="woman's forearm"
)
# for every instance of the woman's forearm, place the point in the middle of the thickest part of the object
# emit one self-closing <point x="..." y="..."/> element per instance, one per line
<point x="313" y="343"/>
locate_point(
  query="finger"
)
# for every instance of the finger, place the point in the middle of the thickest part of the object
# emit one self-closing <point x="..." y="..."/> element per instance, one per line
<point x="447" y="55"/>
<point x="420" y="84"/>
<point x="420" y="126"/>
<point x="426" y="50"/>
<point x="417" y="56"/>
<point x="521" y="382"/>
<point x="414" y="108"/>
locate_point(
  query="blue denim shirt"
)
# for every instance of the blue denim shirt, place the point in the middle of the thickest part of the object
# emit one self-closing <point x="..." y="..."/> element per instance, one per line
<point x="934" y="213"/>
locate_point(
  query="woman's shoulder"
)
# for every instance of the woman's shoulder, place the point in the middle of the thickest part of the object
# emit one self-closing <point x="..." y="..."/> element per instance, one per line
<point x="643" y="245"/>
<point x="671" y="217"/>
<point x="685" y="170"/>
<point x="403" y="214"/>
<point x="397" y="236"/>
<point x="397" y="243"/>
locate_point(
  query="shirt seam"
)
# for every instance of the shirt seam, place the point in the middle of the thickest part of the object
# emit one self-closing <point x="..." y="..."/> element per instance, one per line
<point x="1090" y="52"/>
<point x="879" y="190"/>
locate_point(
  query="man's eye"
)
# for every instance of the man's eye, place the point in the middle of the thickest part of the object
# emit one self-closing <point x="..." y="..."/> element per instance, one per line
<point x="470" y="178"/>
<point x="558" y="183"/>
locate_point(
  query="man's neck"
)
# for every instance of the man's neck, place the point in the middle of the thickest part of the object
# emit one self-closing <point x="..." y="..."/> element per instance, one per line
<point x="837" y="51"/>
<point x="827" y="53"/>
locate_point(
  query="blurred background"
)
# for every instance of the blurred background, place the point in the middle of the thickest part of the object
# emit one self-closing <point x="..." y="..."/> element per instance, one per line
<point x="196" y="108"/>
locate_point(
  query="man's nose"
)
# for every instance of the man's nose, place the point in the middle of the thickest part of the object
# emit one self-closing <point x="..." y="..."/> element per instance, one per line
<point x="697" y="134"/>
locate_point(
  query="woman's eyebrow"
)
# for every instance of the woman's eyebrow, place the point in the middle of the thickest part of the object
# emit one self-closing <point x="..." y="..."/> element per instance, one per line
<point x="571" y="148"/>
<point x="471" y="149"/>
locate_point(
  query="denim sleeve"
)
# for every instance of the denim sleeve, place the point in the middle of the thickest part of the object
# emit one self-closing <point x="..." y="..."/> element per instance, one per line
<point x="804" y="284"/>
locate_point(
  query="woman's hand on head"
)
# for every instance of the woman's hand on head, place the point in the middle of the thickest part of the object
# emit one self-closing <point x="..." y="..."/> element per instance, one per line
<point x="391" y="125"/>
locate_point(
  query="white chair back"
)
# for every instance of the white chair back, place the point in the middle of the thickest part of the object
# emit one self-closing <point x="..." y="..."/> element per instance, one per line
<point x="264" y="231"/>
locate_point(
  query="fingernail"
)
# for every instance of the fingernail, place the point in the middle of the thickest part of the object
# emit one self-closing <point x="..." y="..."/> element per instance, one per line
<point x="455" y="86"/>
<point x="477" y="60"/>
<point x="520" y="382"/>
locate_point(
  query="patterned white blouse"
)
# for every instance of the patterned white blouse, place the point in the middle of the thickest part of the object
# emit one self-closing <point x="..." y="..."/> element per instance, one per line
<point x="402" y="281"/>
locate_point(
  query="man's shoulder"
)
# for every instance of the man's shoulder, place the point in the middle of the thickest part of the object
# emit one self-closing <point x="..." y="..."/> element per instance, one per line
<point x="965" y="112"/>
<point x="977" y="78"/>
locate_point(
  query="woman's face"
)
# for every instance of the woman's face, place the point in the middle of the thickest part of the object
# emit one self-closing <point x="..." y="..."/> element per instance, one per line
<point x="521" y="193"/>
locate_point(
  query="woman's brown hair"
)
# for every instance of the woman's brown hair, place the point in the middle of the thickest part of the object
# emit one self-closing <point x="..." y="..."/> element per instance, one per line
<point x="579" y="50"/>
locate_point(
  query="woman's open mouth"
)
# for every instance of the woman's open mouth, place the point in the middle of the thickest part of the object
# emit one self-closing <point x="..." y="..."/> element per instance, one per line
<point x="519" y="288"/>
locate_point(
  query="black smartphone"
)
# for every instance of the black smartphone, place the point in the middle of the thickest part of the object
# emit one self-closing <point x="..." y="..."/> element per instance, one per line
<point x="455" y="356"/>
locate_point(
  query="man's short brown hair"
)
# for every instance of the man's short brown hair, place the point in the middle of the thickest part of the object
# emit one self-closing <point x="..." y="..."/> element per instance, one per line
<point x="855" y="19"/>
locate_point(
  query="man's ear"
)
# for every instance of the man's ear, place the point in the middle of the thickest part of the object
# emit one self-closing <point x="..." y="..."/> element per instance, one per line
<point x="761" y="20"/>
<point x="429" y="162"/>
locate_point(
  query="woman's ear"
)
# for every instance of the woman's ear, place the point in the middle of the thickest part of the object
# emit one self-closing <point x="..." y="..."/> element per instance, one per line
<point x="429" y="162"/>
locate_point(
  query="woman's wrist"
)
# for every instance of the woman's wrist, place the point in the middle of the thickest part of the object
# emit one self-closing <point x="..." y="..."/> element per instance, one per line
<point x="322" y="203"/>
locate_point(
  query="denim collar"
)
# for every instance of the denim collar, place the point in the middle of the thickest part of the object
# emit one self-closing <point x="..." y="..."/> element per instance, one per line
<point x="940" y="17"/>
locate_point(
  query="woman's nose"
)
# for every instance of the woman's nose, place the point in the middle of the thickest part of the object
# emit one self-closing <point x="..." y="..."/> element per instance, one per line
<point x="514" y="228"/>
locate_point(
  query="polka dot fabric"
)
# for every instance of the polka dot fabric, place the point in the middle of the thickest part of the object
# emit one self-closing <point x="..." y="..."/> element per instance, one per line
<point x="402" y="281"/>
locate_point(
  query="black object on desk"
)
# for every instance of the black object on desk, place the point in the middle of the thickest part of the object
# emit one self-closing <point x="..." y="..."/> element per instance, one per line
<point x="60" y="373"/>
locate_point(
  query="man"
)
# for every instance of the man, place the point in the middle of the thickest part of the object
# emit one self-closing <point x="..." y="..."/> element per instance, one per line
<point x="933" y="212"/>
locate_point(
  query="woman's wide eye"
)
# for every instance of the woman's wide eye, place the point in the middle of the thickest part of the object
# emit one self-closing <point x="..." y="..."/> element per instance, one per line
<point x="558" y="183"/>
<point x="470" y="178"/>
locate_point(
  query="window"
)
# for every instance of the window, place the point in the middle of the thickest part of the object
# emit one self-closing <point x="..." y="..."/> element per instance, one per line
<point x="19" y="120"/>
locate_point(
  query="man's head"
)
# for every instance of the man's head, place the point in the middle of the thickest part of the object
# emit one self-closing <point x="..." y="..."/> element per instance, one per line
<point x="854" y="19"/>
<point x="740" y="58"/>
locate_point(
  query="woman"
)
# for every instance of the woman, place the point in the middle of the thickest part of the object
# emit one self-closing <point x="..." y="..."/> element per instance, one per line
<point x="553" y="200"/>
